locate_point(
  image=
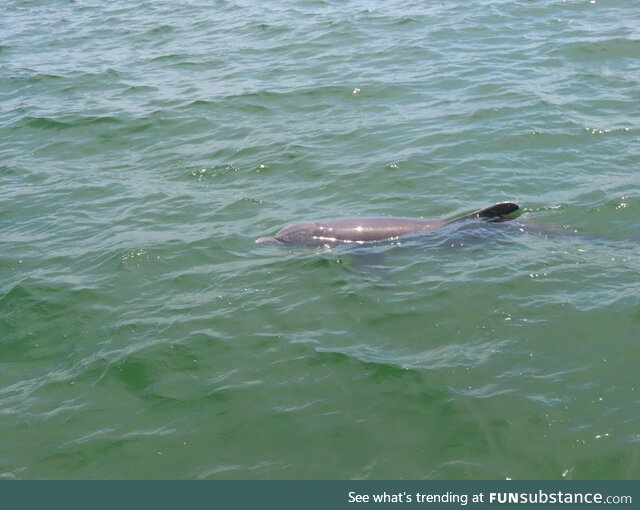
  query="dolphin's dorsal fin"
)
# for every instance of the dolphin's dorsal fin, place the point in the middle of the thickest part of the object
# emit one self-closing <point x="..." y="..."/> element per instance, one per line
<point x="495" y="212"/>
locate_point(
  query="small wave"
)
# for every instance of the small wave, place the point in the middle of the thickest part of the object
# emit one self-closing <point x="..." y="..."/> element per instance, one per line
<point x="59" y="124"/>
<point x="137" y="89"/>
<point x="33" y="77"/>
<point x="607" y="49"/>
<point x="295" y="93"/>
<point x="161" y="30"/>
<point x="471" y="354"/>
<point x="612" y="131"/>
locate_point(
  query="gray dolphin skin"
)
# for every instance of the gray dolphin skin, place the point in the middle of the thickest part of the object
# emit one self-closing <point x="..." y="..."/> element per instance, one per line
<point x="360" y="230"/>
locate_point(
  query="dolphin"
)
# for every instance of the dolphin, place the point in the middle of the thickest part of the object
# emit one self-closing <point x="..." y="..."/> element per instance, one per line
<point x="361" y="230"/>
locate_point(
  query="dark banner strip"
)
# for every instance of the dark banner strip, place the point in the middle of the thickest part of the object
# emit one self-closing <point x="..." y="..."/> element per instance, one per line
<point x="284" y="495"/>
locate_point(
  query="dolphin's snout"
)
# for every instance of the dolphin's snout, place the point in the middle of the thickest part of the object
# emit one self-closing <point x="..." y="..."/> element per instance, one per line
<point x="267" y="240"/>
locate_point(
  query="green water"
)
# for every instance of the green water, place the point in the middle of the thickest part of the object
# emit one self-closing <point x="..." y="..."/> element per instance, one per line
<point x="144" y="146"/>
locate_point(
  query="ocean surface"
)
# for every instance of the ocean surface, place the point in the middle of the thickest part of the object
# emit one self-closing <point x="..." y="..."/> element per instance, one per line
<point x="144" y="146"/>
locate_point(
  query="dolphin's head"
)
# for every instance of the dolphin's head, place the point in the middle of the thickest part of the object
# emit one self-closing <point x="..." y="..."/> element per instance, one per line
<point x="267" y="240"/>
<point x="304" y="232"/>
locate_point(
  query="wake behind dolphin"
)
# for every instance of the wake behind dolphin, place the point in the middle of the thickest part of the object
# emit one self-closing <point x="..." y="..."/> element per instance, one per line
<point x="360" y="230"/>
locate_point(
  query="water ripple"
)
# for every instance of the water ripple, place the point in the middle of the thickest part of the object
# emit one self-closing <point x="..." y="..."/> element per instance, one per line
<point x="146" y="146"/>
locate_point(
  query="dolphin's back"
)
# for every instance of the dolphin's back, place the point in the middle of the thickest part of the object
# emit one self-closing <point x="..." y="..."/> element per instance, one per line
<point x="353" y="230"/>
<point x="373" y="228"/>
